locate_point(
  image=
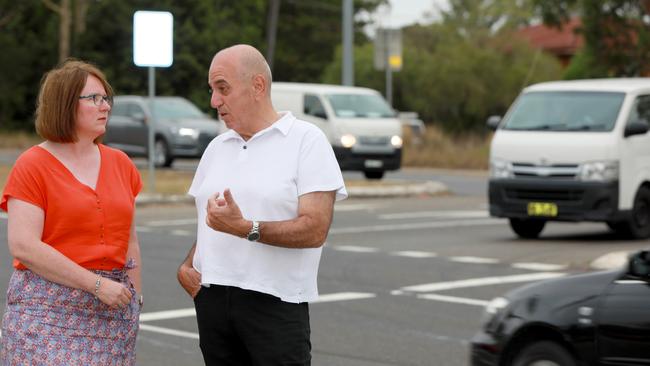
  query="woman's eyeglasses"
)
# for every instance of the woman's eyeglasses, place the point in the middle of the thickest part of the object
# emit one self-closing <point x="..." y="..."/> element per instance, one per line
<point x="98" y="98"/>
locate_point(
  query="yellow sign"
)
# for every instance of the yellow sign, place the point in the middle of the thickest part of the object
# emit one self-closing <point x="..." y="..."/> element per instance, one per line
<point x="547" y="209"/>
<point x="395" y="62"/>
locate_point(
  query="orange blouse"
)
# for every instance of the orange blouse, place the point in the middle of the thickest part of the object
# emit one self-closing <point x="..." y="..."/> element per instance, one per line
<point x="91" y="227"/>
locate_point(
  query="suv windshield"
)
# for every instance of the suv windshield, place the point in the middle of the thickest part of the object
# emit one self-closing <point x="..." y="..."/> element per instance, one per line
<point x="565" y="111"/>
<point x="176" y="108"/>
<point x="360" y="106"/>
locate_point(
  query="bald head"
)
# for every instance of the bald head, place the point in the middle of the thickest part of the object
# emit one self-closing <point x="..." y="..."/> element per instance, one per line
<point x="248" y="62"/>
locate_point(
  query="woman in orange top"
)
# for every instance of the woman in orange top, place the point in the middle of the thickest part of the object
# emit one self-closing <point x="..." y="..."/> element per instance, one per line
<point x="74" y="298"/>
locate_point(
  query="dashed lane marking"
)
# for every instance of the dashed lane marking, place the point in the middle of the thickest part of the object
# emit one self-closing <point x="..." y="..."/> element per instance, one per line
<point x="539" y="266"/>
<point x="483" y="281"/>
<point x="412" y="226"/>
<point x="477" y="260"/>
<point x="414" y="254"/>
<point x="355" y="249"/>
<point x="183" y="232"/>
<point x="3" y="215"/>
<point x="436" y="214"/>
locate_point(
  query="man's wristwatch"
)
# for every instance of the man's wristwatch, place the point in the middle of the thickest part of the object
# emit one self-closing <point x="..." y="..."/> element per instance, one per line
<point x="254" y="234"/>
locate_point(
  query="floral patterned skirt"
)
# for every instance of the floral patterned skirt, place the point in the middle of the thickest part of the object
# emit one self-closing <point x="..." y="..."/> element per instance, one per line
<point x="50" y="324"/>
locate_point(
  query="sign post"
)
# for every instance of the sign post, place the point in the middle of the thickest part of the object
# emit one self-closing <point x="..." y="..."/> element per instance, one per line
<point x="388" y="56"/>
<point x="153" y="44"/>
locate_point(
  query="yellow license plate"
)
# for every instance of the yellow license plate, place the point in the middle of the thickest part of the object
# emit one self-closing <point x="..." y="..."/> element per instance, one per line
<point x="546" y="209"/>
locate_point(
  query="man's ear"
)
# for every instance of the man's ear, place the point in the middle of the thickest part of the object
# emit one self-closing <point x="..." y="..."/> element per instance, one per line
<point x="259" y="86"/>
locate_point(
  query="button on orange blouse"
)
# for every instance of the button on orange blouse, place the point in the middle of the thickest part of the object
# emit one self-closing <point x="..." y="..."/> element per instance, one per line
<point x="91" y="227"/>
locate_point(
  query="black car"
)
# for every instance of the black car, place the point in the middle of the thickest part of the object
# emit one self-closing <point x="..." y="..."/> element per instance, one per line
<point x="599" y="318"/>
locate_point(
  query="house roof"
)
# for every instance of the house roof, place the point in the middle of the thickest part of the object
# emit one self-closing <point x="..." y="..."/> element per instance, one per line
<point x="559" y="41"/>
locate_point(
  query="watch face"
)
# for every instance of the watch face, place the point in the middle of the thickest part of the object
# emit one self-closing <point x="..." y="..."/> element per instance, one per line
<point x="254" y="236"/>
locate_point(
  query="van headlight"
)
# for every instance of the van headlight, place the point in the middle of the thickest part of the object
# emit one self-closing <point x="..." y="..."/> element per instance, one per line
<point x="348" y="141"/>
<point x="500" y="169"/>
<point x="396" y="141"/>
<point x="599" y="171"/>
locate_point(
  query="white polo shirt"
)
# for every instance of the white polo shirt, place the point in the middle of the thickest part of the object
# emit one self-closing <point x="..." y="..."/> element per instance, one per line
<point x="266" y="175"/>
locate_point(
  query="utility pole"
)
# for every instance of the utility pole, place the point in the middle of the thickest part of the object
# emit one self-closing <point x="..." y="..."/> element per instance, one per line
<point x="347" y="68"/>
<point x="272" y="31"/>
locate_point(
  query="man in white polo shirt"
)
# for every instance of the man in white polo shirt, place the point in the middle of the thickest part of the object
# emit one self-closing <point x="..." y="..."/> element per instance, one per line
<point x="264" y="193"/>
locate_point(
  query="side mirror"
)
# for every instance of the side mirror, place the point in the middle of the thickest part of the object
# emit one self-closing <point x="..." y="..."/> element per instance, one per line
<point x="635" y="128"/>
<point x="639" y="264"/>
<point x="493" y="122"/>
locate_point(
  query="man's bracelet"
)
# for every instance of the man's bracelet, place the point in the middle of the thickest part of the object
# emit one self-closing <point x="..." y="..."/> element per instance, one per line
<point x="97" y="283"/>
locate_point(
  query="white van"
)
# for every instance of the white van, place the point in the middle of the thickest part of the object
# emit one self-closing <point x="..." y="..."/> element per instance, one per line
<point x="359" y="123"/>
<point x="574" y="151"/>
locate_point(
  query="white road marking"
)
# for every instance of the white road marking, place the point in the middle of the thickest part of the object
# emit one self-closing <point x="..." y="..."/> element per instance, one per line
<point x="143" y="229"/>
<point x="176" y="222"/>
<point x="355" y="249"/>
<point x="414" y="254"/>
<point x="353" y="207"/>
<point x="453" y="299"/>
<point x="436" y="214"/>
<point x="3" y="215"/>
<point x="191" y="312"/>
<point x="183" y="232"/>
<point x="412" y="226"/>
<point x="168" y="314"/>
<point x="168" y="331"/>
<point x="478" y="260"/>
<point x="539" y="266"/>
<point x="344" y="296"/>
<point x="483" y="281"/>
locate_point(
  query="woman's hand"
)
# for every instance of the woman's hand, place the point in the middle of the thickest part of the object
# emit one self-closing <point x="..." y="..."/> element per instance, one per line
<point x="113" y="293"/>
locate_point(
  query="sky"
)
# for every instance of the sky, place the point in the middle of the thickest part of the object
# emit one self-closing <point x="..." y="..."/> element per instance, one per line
<point x="407" y="12"/>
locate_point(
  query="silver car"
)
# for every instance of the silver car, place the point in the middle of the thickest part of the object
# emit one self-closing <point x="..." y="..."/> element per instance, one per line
<point x="182" y="130"/>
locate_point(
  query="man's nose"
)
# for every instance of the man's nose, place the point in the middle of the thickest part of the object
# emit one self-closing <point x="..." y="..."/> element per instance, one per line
<point x="216" y="100"/>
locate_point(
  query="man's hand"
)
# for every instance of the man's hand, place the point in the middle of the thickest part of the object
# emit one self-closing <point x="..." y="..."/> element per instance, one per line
<point x="224" y="215"/>
<point x="189" y="279"/>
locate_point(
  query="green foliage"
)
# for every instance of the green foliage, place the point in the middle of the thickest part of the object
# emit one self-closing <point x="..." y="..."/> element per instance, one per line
<point x="308" y="33"/>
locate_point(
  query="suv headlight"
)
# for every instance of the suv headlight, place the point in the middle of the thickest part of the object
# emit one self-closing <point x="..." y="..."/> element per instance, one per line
<point x="191" y="132"/>
<point x="599" y="171"/>
<point x="500" y="169"/>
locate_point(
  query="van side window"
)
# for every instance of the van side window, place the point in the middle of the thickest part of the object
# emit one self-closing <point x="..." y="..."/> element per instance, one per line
<point x="313" y="106"/>
<point x="640" y="110"/>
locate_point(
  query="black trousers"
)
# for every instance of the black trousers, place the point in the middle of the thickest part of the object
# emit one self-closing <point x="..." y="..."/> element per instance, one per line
<point x="241" y="327"/>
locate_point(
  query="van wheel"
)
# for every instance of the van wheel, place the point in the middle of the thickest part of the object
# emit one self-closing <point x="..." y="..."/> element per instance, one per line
<point x="161" y="154"/>
<point x="373" y="174"/>
<point x="526" y="228"/>
<point x="638" y="226"/>
<point x="544" y="353"/>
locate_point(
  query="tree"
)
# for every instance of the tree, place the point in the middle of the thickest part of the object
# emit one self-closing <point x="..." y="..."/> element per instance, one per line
<point x="616" y="33"/>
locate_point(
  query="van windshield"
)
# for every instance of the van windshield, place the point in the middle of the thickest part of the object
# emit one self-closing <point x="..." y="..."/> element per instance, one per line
<point x="171" y="108"/>
<point x="360" y="106"/>
<point x="565" y="111"/>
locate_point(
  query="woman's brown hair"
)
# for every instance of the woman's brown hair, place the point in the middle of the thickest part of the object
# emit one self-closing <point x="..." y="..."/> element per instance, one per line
<point x="56" y="108"/>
